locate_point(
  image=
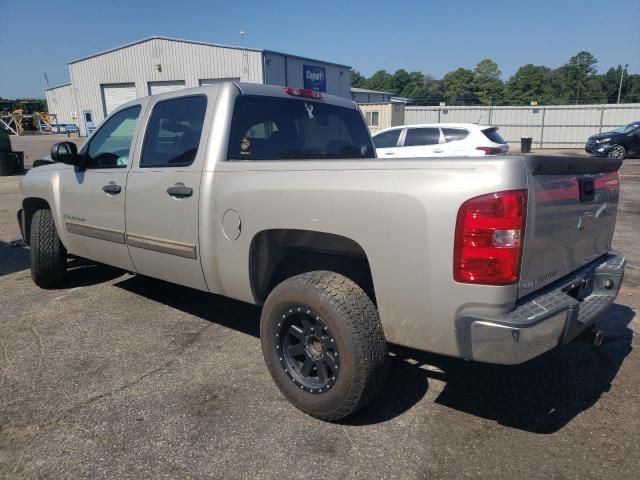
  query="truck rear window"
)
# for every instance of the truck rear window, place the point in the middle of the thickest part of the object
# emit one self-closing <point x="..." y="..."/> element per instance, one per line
<point x="271" y="128"/>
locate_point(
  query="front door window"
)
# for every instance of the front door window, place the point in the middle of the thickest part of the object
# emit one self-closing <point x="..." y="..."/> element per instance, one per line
<point x="110" y="146"/>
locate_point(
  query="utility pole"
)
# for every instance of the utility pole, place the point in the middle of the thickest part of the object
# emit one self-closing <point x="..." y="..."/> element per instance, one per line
<point x="245" y="57"/>
<point x="621" y="77"/>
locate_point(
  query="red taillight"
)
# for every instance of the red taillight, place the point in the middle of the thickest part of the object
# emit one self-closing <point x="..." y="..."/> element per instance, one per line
<point x="302" y="92"/>
<point x="489" y="235"/>
<point x="491" y="150"/>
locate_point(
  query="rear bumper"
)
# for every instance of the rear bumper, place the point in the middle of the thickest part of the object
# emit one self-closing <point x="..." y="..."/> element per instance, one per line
<point x="551" y="317"/>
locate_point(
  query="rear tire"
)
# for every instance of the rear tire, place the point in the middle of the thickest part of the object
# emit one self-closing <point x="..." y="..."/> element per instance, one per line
<point x="348" y="359"/>
<point x="48" y="255"/>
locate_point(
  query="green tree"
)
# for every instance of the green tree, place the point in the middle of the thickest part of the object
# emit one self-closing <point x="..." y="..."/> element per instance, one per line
<point x="634" y="91"/>
<point x="576" y="75"/>
<point x="357" y="79"/>
<point x="423" y="89"/>
<point x="381" y="80"/>
<point x="399" y="81"/>
<point x="488" y="85"/>
<point x="528" y="84"/>
<point x="610" y="82"/>
<point x="458" y="87"/>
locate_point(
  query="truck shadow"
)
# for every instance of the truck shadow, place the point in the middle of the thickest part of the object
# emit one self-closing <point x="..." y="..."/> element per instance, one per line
<point x="541" y="396"/>
<point x="13" y="258"/>
<point x="82" y="273"/>
<point x="239" y="316"/>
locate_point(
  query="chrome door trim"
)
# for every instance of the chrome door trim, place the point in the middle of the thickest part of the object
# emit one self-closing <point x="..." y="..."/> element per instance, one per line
<point x="100" y="233"/>
<point x="186" y="250"/>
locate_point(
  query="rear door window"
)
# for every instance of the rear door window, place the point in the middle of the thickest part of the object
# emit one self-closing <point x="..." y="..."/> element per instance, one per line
<point x="387" y="139"/>
<point x="454" y="134"/>
<point x="422" y="136"/>
<point x="174" y="131"/>
<point x="271" y="128"/>
<point x="493" y="135"/>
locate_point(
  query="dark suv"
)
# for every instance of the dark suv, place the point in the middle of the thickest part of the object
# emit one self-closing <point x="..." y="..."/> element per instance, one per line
<point x="622" y="142"/>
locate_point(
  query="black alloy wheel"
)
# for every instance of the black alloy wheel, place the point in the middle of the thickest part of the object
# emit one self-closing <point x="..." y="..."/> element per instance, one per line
<point x="308" y="352"/>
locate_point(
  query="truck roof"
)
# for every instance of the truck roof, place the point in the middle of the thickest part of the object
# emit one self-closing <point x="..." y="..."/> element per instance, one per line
<point x="246" y="88"/>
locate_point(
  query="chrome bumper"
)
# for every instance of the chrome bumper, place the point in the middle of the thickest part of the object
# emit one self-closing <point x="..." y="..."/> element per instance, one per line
<point x="549" y="318"/>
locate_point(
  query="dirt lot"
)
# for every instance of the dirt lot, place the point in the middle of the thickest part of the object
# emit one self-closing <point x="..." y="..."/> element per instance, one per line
<point x="118" y="376"/>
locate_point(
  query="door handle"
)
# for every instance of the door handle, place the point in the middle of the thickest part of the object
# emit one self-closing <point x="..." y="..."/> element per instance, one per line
<point x="389" y="153"/>
<point x="438" y="151"/>
<point x="112" y="189"/>
<point x="180" y="191"/>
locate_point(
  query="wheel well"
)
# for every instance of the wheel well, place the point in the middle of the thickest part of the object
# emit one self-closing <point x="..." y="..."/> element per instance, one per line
<point x="31" y="205"/>
<point x="283" y="253"/>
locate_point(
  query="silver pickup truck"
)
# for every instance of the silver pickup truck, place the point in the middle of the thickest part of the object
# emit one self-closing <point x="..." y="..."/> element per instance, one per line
<point x="273" y="196"/>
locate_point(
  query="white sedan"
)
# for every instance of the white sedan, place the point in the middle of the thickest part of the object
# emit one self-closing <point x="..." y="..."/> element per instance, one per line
<point x="439" y="140"/>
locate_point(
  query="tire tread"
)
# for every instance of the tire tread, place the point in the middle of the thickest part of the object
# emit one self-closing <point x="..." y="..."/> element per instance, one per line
<point x="360" y="317"/>
<point x="48" y="255"/>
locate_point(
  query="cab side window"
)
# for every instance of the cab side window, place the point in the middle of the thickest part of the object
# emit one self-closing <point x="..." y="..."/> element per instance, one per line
<point x="111" y="144"/>
<point x="174" y="131"/>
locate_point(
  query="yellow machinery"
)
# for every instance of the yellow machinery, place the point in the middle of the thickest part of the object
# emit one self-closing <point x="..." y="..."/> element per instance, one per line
<point x="16" y="117"/>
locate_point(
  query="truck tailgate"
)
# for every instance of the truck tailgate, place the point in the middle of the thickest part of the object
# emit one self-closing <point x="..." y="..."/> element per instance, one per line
<point x="571" y="216"/>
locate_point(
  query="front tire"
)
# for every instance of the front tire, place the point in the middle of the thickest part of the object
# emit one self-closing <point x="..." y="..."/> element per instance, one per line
<point x="323" y="344"/>
<point x="617" y="152"/>
<point x="48" y="255"/>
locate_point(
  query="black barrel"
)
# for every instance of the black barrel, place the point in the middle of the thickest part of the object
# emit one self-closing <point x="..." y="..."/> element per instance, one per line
<point x="7" y="164"/>
<point x="19" y="162"/>
<point x="525" y="144"/>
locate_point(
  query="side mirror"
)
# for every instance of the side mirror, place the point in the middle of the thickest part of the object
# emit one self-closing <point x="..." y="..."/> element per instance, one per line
<point x="66" y="152"/>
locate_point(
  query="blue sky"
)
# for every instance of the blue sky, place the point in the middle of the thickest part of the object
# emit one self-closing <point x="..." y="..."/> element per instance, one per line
<point x="431" y="36"/>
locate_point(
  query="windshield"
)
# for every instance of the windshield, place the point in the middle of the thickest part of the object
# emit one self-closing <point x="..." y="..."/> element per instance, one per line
<point x="270" y="128"/>
<point x="627" y="128"/>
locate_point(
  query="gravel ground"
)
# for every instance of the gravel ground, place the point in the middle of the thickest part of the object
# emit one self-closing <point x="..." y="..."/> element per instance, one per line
<point x="118" y="376"/>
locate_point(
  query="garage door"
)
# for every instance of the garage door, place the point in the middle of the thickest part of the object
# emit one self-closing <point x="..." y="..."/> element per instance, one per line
<point x="212" y="81"/>
<point x="156" y="88"/>
<point x="116" y="94"/>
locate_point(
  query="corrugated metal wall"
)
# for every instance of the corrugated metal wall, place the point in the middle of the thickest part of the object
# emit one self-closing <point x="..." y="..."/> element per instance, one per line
<point x="163" y="60"/>
<point x="60" y="101"/>
<point x="555" y="126"/>
<point x="138" y="64"/>
<point x="338" y="77"/>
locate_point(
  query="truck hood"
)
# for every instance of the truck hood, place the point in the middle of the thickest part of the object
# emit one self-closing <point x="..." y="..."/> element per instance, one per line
<point x="600" y="136"/>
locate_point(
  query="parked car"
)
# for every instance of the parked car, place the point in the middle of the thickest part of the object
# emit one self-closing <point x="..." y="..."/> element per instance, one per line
<point x="620" y="143"/>
<point x="274" y="196"/>
<point x="439" y="140"/>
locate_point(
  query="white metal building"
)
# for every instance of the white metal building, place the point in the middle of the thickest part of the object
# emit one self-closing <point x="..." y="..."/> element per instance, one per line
<point x="102" y="82"/>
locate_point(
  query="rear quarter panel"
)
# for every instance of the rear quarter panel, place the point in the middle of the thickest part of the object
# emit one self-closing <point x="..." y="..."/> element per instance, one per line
<point x="402" y="213"/>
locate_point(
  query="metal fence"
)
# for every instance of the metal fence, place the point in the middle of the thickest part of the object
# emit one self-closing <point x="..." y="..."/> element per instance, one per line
<point x="555" y="126"/>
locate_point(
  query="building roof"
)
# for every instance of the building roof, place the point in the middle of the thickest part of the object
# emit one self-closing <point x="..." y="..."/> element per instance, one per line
<point x="58" y="86"/>
<point x="365" y="90"/>
<point x="392" y="96"/>
<point x="155" y="37"/>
